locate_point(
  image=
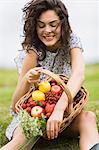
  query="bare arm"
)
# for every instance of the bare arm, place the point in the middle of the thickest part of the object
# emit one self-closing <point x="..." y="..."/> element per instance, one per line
<point x="78" y="69"/>
<point x="76" y="79"/>
<point x="74" y="83"/>
<point x="30" y="61"/>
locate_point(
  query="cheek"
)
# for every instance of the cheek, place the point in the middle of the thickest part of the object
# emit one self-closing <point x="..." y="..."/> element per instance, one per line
<point x="58" y="33"/>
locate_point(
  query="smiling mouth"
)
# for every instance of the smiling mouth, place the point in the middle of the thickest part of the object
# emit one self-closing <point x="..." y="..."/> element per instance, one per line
<point x="48" y="38"/>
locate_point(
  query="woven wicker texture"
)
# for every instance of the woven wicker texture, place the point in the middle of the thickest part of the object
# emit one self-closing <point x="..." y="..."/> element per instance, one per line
<point x="75" y="105"/>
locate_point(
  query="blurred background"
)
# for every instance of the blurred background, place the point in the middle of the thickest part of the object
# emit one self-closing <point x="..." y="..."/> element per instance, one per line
<point x="83" y="16"/>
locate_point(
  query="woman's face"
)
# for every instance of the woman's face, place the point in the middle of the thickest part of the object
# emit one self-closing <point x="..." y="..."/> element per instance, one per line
<point x="49" y="28"/>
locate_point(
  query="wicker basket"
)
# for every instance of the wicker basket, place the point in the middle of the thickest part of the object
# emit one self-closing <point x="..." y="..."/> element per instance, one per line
<point x="73" y="109"/>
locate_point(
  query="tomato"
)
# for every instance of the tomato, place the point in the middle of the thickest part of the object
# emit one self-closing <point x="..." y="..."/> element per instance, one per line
<point x="49" y="108"/>
<point x="24" y="106"/>
<point x="33" y="103"/>
<point x="48" y="115"/>
<point x="28" y="109"/>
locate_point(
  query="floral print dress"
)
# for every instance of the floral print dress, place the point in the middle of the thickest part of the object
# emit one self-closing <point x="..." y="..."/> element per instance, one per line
<point x="58" y="62"/>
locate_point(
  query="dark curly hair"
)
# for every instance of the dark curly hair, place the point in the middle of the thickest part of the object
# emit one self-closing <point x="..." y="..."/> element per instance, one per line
<point x="32" y="11"/>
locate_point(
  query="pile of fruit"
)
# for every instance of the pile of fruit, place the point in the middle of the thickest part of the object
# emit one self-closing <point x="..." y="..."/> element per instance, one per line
<point x="43" y="99"/>
<point x="39" y="106"/>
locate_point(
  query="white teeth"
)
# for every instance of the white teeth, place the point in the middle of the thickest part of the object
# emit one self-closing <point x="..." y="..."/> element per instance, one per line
<point x="48" y="36"/>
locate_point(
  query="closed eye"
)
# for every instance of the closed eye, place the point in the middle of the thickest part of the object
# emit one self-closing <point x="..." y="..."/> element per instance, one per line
<point x="41" y="25"/>
<point x="54" y="24"/>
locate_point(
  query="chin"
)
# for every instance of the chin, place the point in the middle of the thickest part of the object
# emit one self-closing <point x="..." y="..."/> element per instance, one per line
<point x="49" y="45"/>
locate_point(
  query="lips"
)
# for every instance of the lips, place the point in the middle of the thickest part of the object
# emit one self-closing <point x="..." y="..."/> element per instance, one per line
<point x="48" y="38"/>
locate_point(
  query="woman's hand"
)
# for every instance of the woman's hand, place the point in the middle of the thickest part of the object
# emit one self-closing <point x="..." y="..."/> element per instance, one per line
<point x="55" y="120"/>
<point x="54" y="123"/>
<point x="33" y="75"/>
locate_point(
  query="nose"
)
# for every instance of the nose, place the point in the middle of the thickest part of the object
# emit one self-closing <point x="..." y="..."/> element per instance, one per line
<point x="47" y="29"/>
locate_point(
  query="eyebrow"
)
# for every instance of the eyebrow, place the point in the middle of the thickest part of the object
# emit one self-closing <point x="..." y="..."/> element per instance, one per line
<point x="49" y="22"/>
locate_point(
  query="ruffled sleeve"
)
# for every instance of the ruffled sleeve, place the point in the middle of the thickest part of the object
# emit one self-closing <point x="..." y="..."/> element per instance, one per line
<point x="19" y="59"/>
<point x="74" y="42"/>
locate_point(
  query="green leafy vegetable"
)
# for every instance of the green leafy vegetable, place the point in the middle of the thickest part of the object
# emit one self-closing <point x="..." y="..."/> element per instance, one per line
<point x="32" y="127"/>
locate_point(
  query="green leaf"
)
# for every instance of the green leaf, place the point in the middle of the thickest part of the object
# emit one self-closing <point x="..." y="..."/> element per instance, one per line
<point x="32" y="127"/>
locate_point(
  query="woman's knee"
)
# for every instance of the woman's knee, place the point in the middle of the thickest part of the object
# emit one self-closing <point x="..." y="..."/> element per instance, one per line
<point x="87" y="118"/>
<point x="90" y="116"/>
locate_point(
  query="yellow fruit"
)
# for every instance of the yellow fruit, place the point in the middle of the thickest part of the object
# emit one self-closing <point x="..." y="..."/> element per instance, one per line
<point x="38" y="95"/>
<point x="44" y="86"/>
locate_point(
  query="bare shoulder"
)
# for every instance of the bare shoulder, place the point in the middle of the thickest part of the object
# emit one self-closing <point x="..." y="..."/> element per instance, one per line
<point x="31" y="56"/>
<point x="76" y="53"/>
<point x="77" y="60"/>
<point x="30" y="61"/>
<point x="76" y="50"/>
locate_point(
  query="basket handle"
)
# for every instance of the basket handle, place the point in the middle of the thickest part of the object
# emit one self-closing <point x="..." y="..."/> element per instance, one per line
<point x="63" y="85"/>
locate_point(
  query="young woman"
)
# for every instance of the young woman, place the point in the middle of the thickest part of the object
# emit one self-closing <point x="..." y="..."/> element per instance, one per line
<point x="50" y="43"/>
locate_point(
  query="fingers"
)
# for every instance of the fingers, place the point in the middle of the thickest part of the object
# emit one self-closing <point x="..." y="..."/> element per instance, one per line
<point x="48" y="129"/>
<point x="38" y="69"/>
<point x="33" y="75"/>
<point x="34" y="72"/>
<point x="53" y="129"/>
<point x="56" y="129"/>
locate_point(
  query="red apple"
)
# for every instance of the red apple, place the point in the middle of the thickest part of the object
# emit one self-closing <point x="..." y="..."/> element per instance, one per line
<point x="37" y="111"/>
<point x="56" y="89"/>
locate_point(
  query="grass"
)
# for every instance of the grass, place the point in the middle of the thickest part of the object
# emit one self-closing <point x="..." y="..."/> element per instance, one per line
<point x="8" y="80"/>
<point x="92" y="80"/>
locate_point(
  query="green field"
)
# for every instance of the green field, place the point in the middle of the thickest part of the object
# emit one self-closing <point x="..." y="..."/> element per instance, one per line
<point x="8" y="80"/>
